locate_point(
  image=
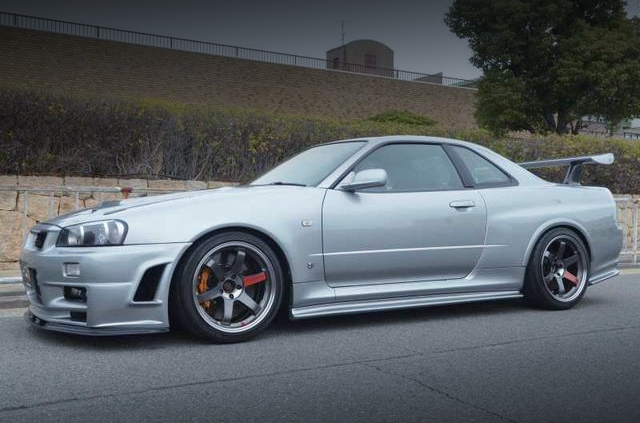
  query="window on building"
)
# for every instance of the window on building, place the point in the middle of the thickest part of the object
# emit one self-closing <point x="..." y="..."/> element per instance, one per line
<point x="370" y="60"/>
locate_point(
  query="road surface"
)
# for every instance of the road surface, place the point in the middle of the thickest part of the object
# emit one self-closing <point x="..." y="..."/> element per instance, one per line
<point x="490" y="362"/>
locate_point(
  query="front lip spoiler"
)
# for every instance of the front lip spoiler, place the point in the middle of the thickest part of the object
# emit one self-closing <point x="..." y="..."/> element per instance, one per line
<point x="36" y="321"/>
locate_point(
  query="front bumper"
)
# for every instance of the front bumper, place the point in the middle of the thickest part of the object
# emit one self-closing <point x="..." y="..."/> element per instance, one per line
<point x="110" y="279"/>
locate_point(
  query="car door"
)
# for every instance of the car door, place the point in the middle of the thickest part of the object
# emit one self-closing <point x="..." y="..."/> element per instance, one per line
<point x="423" y="225"/>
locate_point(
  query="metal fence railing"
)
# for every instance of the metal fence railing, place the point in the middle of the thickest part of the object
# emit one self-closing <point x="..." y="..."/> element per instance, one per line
<point x="132" y="37"/>
<point x="622" y="134"/>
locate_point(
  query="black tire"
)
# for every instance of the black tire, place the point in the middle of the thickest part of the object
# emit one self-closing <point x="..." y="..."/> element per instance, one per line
<point x="228" y="289"/>
<point x="558" y="271"/>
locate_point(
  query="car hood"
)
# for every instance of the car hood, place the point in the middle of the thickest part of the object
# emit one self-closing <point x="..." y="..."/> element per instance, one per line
<point x="123" y="208"/>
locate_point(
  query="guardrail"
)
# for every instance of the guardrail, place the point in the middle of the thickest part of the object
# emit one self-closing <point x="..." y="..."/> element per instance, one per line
<point x="140" y="38"/>
<point x="621" y="134"/>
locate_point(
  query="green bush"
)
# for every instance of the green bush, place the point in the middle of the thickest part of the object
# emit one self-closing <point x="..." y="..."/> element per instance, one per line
<point x="403" y="117"/>
<point x="44" y="133"/>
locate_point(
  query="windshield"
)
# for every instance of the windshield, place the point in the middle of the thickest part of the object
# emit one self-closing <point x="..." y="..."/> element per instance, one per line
<point x="311" y="166"/>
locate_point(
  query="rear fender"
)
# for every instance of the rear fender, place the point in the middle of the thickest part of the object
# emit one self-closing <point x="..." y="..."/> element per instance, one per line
<point x="551" y="224"/>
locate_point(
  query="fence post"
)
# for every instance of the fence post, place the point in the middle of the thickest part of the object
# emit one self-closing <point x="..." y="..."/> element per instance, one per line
<point x="635" y="232"/>
<point x="25" y="210"/>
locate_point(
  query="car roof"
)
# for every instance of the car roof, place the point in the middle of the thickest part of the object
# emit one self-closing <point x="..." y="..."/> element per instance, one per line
<point x="423" y="138"/>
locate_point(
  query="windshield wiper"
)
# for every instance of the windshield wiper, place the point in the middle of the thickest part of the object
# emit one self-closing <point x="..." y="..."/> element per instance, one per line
<point x="295" y="184"/>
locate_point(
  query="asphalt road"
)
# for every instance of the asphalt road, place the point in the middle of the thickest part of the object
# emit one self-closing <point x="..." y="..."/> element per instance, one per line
<point x="491" y="362"/>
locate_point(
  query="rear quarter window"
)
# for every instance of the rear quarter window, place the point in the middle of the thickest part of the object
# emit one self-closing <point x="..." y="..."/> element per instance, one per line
<point x="483" y="173"/>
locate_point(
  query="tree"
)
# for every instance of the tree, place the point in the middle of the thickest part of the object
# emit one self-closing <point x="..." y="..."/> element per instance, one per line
<point x="548" y="63"/>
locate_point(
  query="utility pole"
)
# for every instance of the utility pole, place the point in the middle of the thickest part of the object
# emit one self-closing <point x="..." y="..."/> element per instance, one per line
<point x="344" y="50"/>
<point x="343" y="31"/>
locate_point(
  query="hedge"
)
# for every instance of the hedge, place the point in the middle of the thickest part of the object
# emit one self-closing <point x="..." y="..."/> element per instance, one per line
<point x="43" y="133"/>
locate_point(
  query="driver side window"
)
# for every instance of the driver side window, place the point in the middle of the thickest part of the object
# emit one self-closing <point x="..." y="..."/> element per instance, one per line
<point x="412" y="167"/>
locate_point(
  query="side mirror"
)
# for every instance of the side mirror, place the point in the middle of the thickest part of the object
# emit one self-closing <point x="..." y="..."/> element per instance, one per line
<point x="368" y="178"/>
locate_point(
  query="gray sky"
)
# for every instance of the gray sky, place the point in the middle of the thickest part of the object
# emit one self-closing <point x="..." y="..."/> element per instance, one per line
<point x="413" y="29"/>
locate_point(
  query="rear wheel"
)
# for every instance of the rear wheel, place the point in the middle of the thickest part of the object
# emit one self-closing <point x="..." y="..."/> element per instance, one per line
<point x="229" y="288"/>
<point x="558" y="271"/>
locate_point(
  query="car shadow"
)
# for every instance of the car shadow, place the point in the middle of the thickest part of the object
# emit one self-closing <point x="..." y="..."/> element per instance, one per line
<point x="401" y="317"/>
<point x="282" y="327"/>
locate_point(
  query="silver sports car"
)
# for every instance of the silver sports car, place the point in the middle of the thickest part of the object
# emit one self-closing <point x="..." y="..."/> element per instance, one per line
<point x="344" y="227"/>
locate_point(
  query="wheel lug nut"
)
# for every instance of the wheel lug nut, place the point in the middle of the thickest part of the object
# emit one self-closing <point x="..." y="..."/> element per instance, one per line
<point x="231" y="296"/>
<point x="238" y="286"/>
<point x="233" y="276"/>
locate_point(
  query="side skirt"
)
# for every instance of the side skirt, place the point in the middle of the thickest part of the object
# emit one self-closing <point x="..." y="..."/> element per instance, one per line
<point x="349" y="307"/>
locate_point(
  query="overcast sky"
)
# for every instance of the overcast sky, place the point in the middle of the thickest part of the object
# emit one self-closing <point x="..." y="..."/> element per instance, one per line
<point x="413" y="29"/>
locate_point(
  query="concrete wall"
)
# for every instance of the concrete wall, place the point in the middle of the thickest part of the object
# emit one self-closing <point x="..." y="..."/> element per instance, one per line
<point x="96" y="67"/>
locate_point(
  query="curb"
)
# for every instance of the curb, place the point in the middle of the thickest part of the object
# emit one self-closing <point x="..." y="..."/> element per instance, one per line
<point x="12" y="294"/>
<point x="10" y="302"/>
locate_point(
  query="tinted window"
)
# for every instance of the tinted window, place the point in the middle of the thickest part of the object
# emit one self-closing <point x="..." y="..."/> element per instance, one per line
<point x="413" y="167"/>
<point x="311" y="166"/>
<point x="482" y="171"/>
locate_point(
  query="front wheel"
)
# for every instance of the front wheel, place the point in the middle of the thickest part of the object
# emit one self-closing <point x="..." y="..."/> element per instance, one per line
<point x="229" y="288"/>
<point x="558" y="271"/>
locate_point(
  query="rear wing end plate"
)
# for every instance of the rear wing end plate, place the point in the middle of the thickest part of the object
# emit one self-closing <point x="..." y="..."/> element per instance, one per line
<point x="574" y="172"/>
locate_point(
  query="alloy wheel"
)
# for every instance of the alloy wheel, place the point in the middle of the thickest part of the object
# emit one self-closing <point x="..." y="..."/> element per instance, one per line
<point x="564" y="269"/>
<point x="233" y="287"/>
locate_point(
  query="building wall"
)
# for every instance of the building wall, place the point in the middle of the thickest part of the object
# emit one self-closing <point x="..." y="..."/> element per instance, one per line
<point x="111" y="69"/>
<point x="352" y="57"/>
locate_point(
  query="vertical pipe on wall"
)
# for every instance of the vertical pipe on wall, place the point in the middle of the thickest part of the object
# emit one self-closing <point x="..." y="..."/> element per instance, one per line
<point x="635" y="232"/>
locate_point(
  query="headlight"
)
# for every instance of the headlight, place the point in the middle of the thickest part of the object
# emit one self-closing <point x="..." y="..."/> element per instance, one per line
<point x="93" y="234"/>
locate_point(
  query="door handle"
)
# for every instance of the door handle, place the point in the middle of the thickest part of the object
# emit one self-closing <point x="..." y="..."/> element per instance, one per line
<point x="462" y="204"/>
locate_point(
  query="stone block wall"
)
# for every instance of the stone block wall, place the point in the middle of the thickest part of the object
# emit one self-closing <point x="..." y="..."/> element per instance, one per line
<point x="26" y="200"/>
<point x="629" y="219"/>
<point x="39" y="206"/>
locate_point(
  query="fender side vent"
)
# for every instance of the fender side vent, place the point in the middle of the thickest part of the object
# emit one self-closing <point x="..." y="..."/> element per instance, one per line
<point x="40" y="237"/>
<point x="149" y="284"/>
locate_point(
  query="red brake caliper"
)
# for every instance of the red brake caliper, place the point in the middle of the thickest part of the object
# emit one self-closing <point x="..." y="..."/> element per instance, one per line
<point x="570" y="277"/>
<point x="254" y="279"/>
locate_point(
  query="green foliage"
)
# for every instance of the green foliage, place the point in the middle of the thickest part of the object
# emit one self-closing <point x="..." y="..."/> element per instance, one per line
<point x="63" y="135"/>
<point x="44" y="133"/>
<point x="402" y="116"/>
<point x="549" y="63"/>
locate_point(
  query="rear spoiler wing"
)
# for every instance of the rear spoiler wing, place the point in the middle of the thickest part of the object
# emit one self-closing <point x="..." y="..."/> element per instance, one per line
<point x="575" y="165"/>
